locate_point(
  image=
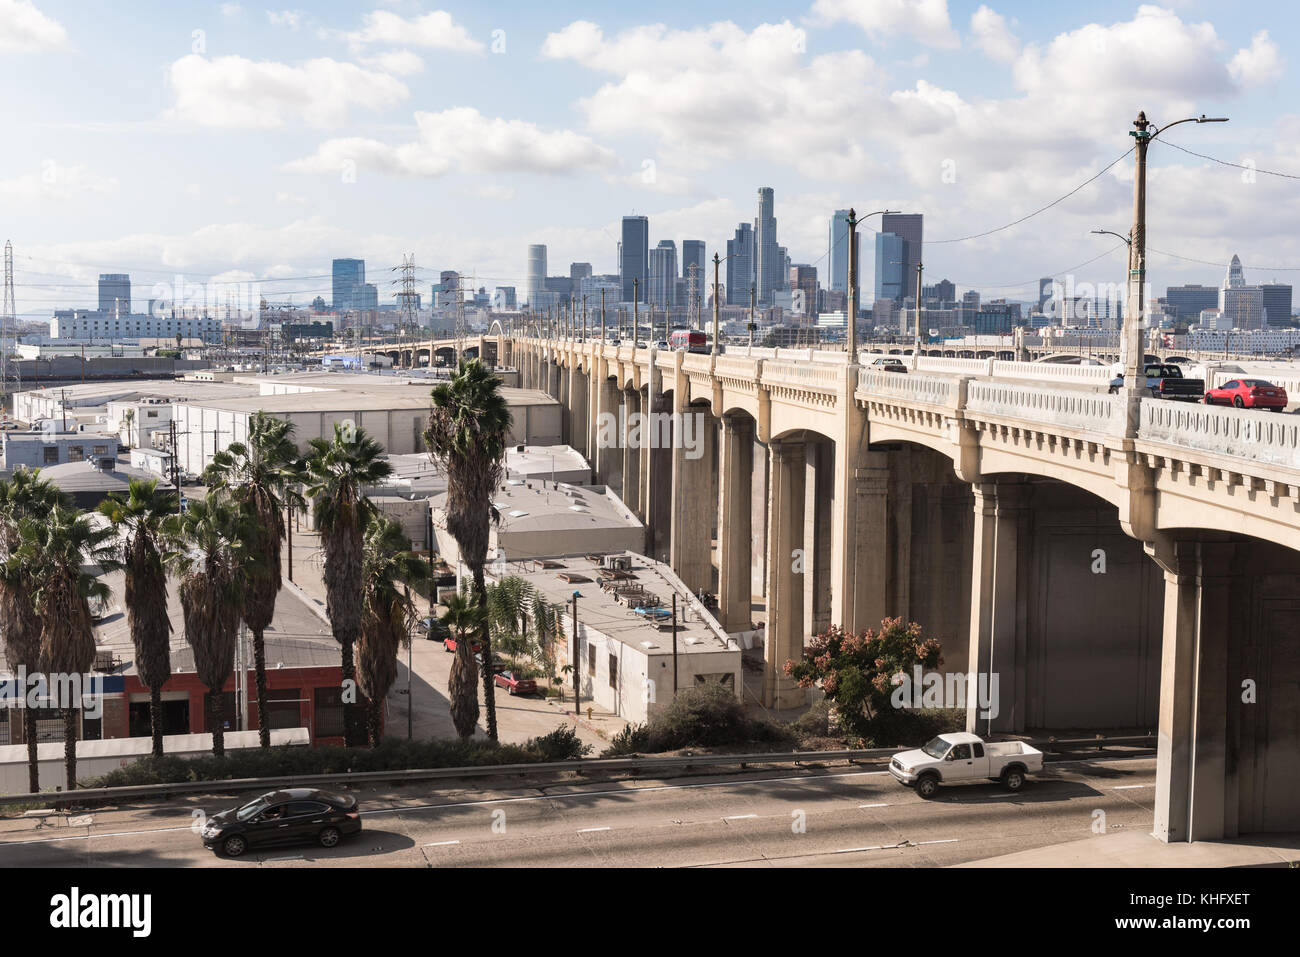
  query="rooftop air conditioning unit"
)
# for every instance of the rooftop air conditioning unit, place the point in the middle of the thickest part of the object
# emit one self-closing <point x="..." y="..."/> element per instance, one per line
<point x="617" y="563"/>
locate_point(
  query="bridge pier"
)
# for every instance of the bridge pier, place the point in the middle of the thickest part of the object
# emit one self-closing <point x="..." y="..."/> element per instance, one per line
<point x="735" y="521"/>
<point x="631" y="477"/>
<point x="784" y="638"/>
<point x="693" y="507"/>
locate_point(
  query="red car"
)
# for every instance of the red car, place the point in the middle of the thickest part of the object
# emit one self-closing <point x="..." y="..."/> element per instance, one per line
<point x="514" y="684"/>
<point x="449" y="645"/>
<point x="1248" y="394"/>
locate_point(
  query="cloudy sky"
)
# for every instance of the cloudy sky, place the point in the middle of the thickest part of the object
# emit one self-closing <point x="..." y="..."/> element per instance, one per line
<point x="232" y="141"/>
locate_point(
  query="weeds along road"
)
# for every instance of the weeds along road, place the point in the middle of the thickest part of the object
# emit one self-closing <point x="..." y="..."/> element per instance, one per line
<point x="838" y="816"/>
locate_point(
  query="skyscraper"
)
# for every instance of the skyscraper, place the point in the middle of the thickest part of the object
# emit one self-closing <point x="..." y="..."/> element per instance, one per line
<point x="906" y="226"/>
<point x="535" y="281"/>
<point x="891" y="260"/>
<point x="663" y="275"/>
<point x="579" y="272"/>
<point x="768" y="260"/>
<point x="115" y="293"/>
<point x="839" y="252"/>
<point x="1277" y="303"/>
<point x="634" y="255"/>
<point x="740" y="265"/>
<point x="693" y="252"/>
<point x="349" y="276"/>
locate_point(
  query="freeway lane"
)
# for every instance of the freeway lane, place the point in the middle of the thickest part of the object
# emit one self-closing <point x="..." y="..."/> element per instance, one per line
<point x="763" y="818"/>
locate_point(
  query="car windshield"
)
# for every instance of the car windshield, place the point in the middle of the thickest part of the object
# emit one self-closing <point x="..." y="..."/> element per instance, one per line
<point x="1258" y="384"/>
<point x="936" y="747"/>
<point x="252" y="809"/>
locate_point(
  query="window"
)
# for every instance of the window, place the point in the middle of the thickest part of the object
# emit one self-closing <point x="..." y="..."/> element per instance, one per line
<point x="282" y="708"/>
<point x="727" y="680"/>
<point x="613" y="671"/>
<point x="961" y="752"/>
<point x="76" y="453"/>
<point x="979" y="750"/>
<point x="303" y="808"/>
<point x="51" y="456"/>
<point x="328" y="713"/>
<point x="151" y="414"/>
<point x="591" y="659"/>
<point x="100" y="450"/>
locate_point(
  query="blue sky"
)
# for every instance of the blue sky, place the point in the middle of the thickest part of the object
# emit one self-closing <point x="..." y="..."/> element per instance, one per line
<point x="250" y="142"/>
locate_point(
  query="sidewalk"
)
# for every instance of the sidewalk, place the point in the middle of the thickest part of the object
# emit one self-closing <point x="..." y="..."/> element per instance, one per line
<point x="1140" y="849"/>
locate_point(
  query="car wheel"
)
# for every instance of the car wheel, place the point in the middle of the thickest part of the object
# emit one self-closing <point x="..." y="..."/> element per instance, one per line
<point x="234" y="846"/>
<point x="927" y="786"/>
<point x="1013" y="779"/>
<point x="329" y="837"/>
<point x="1236" y="400"/>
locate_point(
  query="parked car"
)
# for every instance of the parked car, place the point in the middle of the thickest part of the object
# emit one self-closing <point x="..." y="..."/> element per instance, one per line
<point x="963" y="758"/>
<point x="498" y="665"/>
<point x="1248" y="394"/>
<point x="449" y="645"/>
<point x="514" y="684"/>
<point x="1166" y="382"/>
<point x="435" y="629"/>
<point x="294" y="816"/>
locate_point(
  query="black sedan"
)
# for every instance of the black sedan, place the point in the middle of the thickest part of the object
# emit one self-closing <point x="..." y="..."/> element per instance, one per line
<point x="295" y="816"/>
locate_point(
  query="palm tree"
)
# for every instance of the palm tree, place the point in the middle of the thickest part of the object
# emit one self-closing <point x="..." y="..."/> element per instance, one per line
<point x="23" y="496"/>
<point x="139" y="518"/>
<point x="339" y="469"/>
<point x="469" y="426"/>
<point x="463" y="618"/>
<point x="262" y="476"/>
<point x="61" y="553"/>
<point x="389" y="569"/>
<point x="510" y="603"/>
<point x="212" y="560"/>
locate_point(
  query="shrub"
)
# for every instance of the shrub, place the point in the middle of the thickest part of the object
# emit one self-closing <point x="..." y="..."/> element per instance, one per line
<point x="562" y="744"/>
<point x="633" y="739"/>
<point x="705" y="716"/>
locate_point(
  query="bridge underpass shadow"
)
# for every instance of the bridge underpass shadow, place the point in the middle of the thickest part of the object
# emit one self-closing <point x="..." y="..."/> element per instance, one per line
<point x="1041" y="791"/>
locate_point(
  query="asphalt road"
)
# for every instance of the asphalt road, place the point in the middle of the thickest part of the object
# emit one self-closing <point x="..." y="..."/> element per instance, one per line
<point x="841" y="816"/>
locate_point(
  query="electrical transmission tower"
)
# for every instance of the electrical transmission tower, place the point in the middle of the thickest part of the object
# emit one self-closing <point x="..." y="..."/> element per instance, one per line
<point x="692" y="322"/>
<point x="461" y="331"/>
<point x="8" y="317"/>
<point x="410" y="316"/>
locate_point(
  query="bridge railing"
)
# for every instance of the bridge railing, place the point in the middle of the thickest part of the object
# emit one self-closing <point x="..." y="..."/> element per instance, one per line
<point x="740" y="367"/>
<point x="933" y="390"/>
<point x="1287" y="380"/>
<point x="1068" y="409"/>
<point x="808" y="375"/>
<point x="955" y="366"/>
<point x="1052" y="372"/>
<point x="1265" y="437"/>
<point x="696" y="362"/>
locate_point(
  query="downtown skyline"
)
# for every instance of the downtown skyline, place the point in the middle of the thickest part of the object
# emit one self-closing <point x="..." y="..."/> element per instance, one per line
<point x="969" y="115"/>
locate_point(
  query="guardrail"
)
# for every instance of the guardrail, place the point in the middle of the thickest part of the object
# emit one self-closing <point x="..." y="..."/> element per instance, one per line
<point x="1075" y="410"/>
<point x="101" y="795"/>
<point x="932" y="390"/>
<point x="1265" y="437"/>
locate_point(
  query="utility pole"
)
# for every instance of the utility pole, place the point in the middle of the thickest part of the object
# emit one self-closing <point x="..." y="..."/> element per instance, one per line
<point x="602" y="318"/>
<point x="675" y="639"/>
<point x="717" y="307"/>
<point x="852" y="307"/>
<point x="577" y="653"/>
<point x="635" y="315"/>
<point x="752" y="324"/>
<point x="916" y="333"/>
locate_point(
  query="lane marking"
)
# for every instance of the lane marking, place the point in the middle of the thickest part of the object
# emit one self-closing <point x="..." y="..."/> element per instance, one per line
<point x="873" y="805"/>
<point x="739" y="817"/>
<point x="588" y="830"/>
<point x="440" y="844"/>
<point x="273" y="860"/>
<point x="1130" y="787"/>
<point x="951" y="840"/>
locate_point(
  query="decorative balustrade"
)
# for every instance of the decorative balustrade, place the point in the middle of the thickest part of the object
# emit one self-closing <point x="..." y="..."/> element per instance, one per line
<point x="736" y="367"/>
<point x="1265" y="437"/>
<point x="942" y="364"/>
<point x="1052" y="372"/>
<point x="1044" y="407"/>
<point x="932" y="390"/>
<point x="696" y="362"/>
<point x="804" y="375"/>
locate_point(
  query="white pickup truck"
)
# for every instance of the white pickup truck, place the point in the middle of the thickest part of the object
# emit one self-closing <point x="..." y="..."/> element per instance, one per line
<point x="963" y="758"/>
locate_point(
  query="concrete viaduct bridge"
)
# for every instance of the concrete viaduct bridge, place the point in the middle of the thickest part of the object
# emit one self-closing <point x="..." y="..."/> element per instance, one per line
<point x="1115" y="568"/>
<point x="414" y="354"/>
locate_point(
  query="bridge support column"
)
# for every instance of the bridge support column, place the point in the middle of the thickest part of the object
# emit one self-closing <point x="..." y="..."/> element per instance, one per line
<point x="690" y="545"/>
<point x="656" y="477"/>
<point x="578" y="416"/>
<point x="608" y="434"/>
<point x="818" y="507"/>
<point x="631" y="484"/>
<point x="860" y="547"/>
<point x="997" y="627"/>
<point x="784" y="639"/>
<point x="735" y="513"/>
<point x="1196" y="784"/>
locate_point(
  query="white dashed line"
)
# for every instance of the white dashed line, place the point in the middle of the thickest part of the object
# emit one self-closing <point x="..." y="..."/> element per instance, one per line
<point x="740" y="817"/>
<point x="1130" y="787"/>
<point x="440" y="844"/>
<point x="873" y="805"/>
<point x="588" y="830"/>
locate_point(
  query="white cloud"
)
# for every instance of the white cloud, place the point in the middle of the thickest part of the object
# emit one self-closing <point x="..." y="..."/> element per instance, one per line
<point x="1259" y="65"/>
<point x="463" y="139"/>
<point x="926" y="21"/>
<point x="56" y="182"/>
<point x="495" y="191"/>
<point x="993" y="36"/>
<point x="290" y="199"/>
<point x="719" y="92"/>
<point x="396" y="62"/>
<point x="436" y="30"/>
<point x="24" y="29"/>
<point x="292" y="19"/>
<point x="232" y="91"/>
<point x="231" y="10"/>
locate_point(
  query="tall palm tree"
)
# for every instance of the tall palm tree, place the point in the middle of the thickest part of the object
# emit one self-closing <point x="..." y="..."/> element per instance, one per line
<point x="388" y="571"/>
<point x="262" y="476"/>
<point x="23" y="496"/>
<point x="463" y="619"/>
<point x="469" y="426"/>
<point x="339" y="469"/>
<point x="65" y="553"/>
<point x="510" y="604"/>
<point x="139" y="519"/>
<point x="212" y="559"/>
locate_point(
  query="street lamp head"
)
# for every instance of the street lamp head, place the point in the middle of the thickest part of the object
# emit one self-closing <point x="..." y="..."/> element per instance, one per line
<point x="1211" y="119"/>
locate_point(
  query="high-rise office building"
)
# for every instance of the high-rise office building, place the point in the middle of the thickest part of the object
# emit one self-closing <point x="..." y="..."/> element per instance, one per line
<point x="906" y="226"/>
<point x="768" y="258"/>
<point x="740" y="265"/>
<point x="1188" y="301"/>
<point x="503" y="299"/>
<point x="942" y="292"/>
<point x="663" y="275"/>
<point x="535" y="278"/>
<point x="348" y="280"/>
<point x="803" y="283"/>
<point x="1240" y="304"/>
<point x="839" y="252"/>
<point x="693" y="254"/>
<point x="1277" y="304"/>
<point x="115" y="293"/>
<point x="579" y="272"/>
<point x="444" y="294"/>
<point x="634" y="255"/>
<point x="891" y="263"/>
<point x="1046" y="291"/>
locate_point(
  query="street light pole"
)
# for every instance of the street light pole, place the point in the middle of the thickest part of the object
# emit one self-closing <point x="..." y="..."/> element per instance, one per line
<point x="717" y="306"/>
<point x="852" y="223"/>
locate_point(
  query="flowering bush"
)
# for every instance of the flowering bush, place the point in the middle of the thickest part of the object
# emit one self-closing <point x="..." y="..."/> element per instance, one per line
<point x="856" y="671"/>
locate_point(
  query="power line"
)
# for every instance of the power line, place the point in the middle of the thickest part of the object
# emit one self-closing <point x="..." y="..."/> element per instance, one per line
<point x="1221" y="162"/>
